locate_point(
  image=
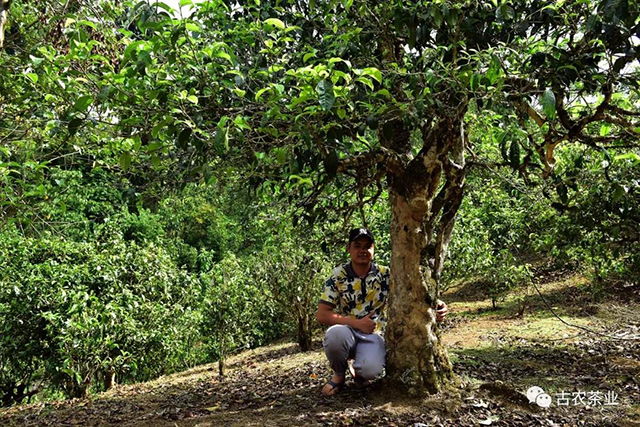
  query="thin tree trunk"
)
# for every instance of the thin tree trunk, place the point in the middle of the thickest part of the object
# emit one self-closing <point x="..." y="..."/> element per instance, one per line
<point x="109" y="379"/>
<point x="304" y="331"/>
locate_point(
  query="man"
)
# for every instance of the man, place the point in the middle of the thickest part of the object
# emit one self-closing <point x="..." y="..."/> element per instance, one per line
<point x="359" y="291"/>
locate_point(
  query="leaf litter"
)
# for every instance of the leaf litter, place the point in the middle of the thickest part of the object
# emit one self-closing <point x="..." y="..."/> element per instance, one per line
<point x="278" y="385"/>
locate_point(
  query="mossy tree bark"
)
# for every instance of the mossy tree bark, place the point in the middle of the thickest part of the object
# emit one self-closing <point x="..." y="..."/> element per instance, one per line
<point x="425" y="194"/>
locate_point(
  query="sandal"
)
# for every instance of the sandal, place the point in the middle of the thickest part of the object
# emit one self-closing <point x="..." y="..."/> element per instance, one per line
<point x="334" y="386"/>
<point x="359" y="382"/>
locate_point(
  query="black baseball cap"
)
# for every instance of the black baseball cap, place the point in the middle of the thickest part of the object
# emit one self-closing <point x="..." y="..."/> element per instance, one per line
<point x="359" y="232"/>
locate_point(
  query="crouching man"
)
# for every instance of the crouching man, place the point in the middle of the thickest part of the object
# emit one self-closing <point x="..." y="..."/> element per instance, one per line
<point x="358" y="290"/>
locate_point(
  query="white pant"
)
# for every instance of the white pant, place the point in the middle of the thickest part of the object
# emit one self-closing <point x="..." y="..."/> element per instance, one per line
<point x="342" y="342"/>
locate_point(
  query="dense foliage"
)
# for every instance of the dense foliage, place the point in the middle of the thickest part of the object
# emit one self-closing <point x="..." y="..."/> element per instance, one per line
<point x="176" y="185"/>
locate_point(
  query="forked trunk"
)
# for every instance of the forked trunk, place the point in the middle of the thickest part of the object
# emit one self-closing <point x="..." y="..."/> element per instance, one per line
<point x="416" y="358"/>
<point x="425" y="192"/>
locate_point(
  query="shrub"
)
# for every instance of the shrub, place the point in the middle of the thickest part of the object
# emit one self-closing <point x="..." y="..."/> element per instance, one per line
<point x="73" y="315"/>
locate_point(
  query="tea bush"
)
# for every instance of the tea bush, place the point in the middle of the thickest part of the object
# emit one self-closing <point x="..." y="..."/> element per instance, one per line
<point x="75" y="314"/>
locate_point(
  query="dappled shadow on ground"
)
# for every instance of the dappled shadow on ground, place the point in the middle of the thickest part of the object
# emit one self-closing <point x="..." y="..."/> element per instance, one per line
<point x="272" y="354"/>
<point x="587" y="365"/>
<point x="276" y="392"/>
<point x="279" y="385"/>
<point x="580" y="299"/>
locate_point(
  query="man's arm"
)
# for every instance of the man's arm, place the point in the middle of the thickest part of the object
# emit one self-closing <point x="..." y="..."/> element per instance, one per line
<point x="326" y="316"/>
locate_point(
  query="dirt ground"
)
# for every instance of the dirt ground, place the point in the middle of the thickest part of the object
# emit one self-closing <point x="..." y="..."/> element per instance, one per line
<point x="591" y="380"/>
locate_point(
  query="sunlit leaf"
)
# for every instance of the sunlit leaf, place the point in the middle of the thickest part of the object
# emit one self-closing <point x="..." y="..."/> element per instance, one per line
<point x="124" y="160"/>
<point x="549" y="103"/>
<point x="275" y="22"/>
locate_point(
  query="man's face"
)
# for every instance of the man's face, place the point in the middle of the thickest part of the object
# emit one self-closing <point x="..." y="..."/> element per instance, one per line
<point x="361" y="250"/>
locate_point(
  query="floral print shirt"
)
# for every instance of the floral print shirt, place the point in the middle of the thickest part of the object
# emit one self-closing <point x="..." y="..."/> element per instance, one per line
<point x="357" y="297"/>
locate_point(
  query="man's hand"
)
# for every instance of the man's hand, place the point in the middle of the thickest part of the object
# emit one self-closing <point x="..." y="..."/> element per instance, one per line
<point x="365" y="325"/>
<point x="441" y="311"/>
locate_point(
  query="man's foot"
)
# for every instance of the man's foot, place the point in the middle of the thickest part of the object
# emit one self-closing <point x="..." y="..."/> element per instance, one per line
<point x="359" y="382"/>
<point x="333" y="386"/>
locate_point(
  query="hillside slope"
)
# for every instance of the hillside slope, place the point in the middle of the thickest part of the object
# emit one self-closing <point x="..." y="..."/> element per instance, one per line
<point x="496" y="354"/>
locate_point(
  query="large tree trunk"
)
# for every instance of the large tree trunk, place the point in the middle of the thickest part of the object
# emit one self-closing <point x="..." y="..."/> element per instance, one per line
<point x="416" y="359"/>
<point x="425" y="193"/>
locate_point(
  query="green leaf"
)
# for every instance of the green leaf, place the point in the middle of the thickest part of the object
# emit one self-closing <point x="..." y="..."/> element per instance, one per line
<point x="504" y="13"/>
<point x="635" y="159"/>
<point x="33" y="77"/>
<point x="373" y="72"/>
<point x="223" y="54"/>
<point x="83" y="103"/>
<point x="190" y="26"/>
<point x="186" y="3"/>
<point x="125" y="160"/>
<point x="221" y="140"/>
<point x="132" y="47"/>
<point x="437" y="16"/>
<point x="474" y="81"/>
<point x="326" y="96"/>
<point x="301" y="180"/>
<point x="493" y="72"/>
<point x="337" y="59"/>
<point x="413" y="34"/>
<point x="261" y="92"/>
<point x="36" y="61"/>
<point x="366" y="81"/>
<point x="549" y="104"/>
<point x="193" y="99"/>
<point x="504" y="152"/>
<point x="275" y="22"/>
<point x="145" y="56"/>
<point x="223" y="122"/>
<point x="451" y="17"/>
<point x="618" y="192"/>
<point x="614" y="10"/>
<point x="241" y="123"/>
<point x="372" y="122"/>
<point x="74" y="125"/>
